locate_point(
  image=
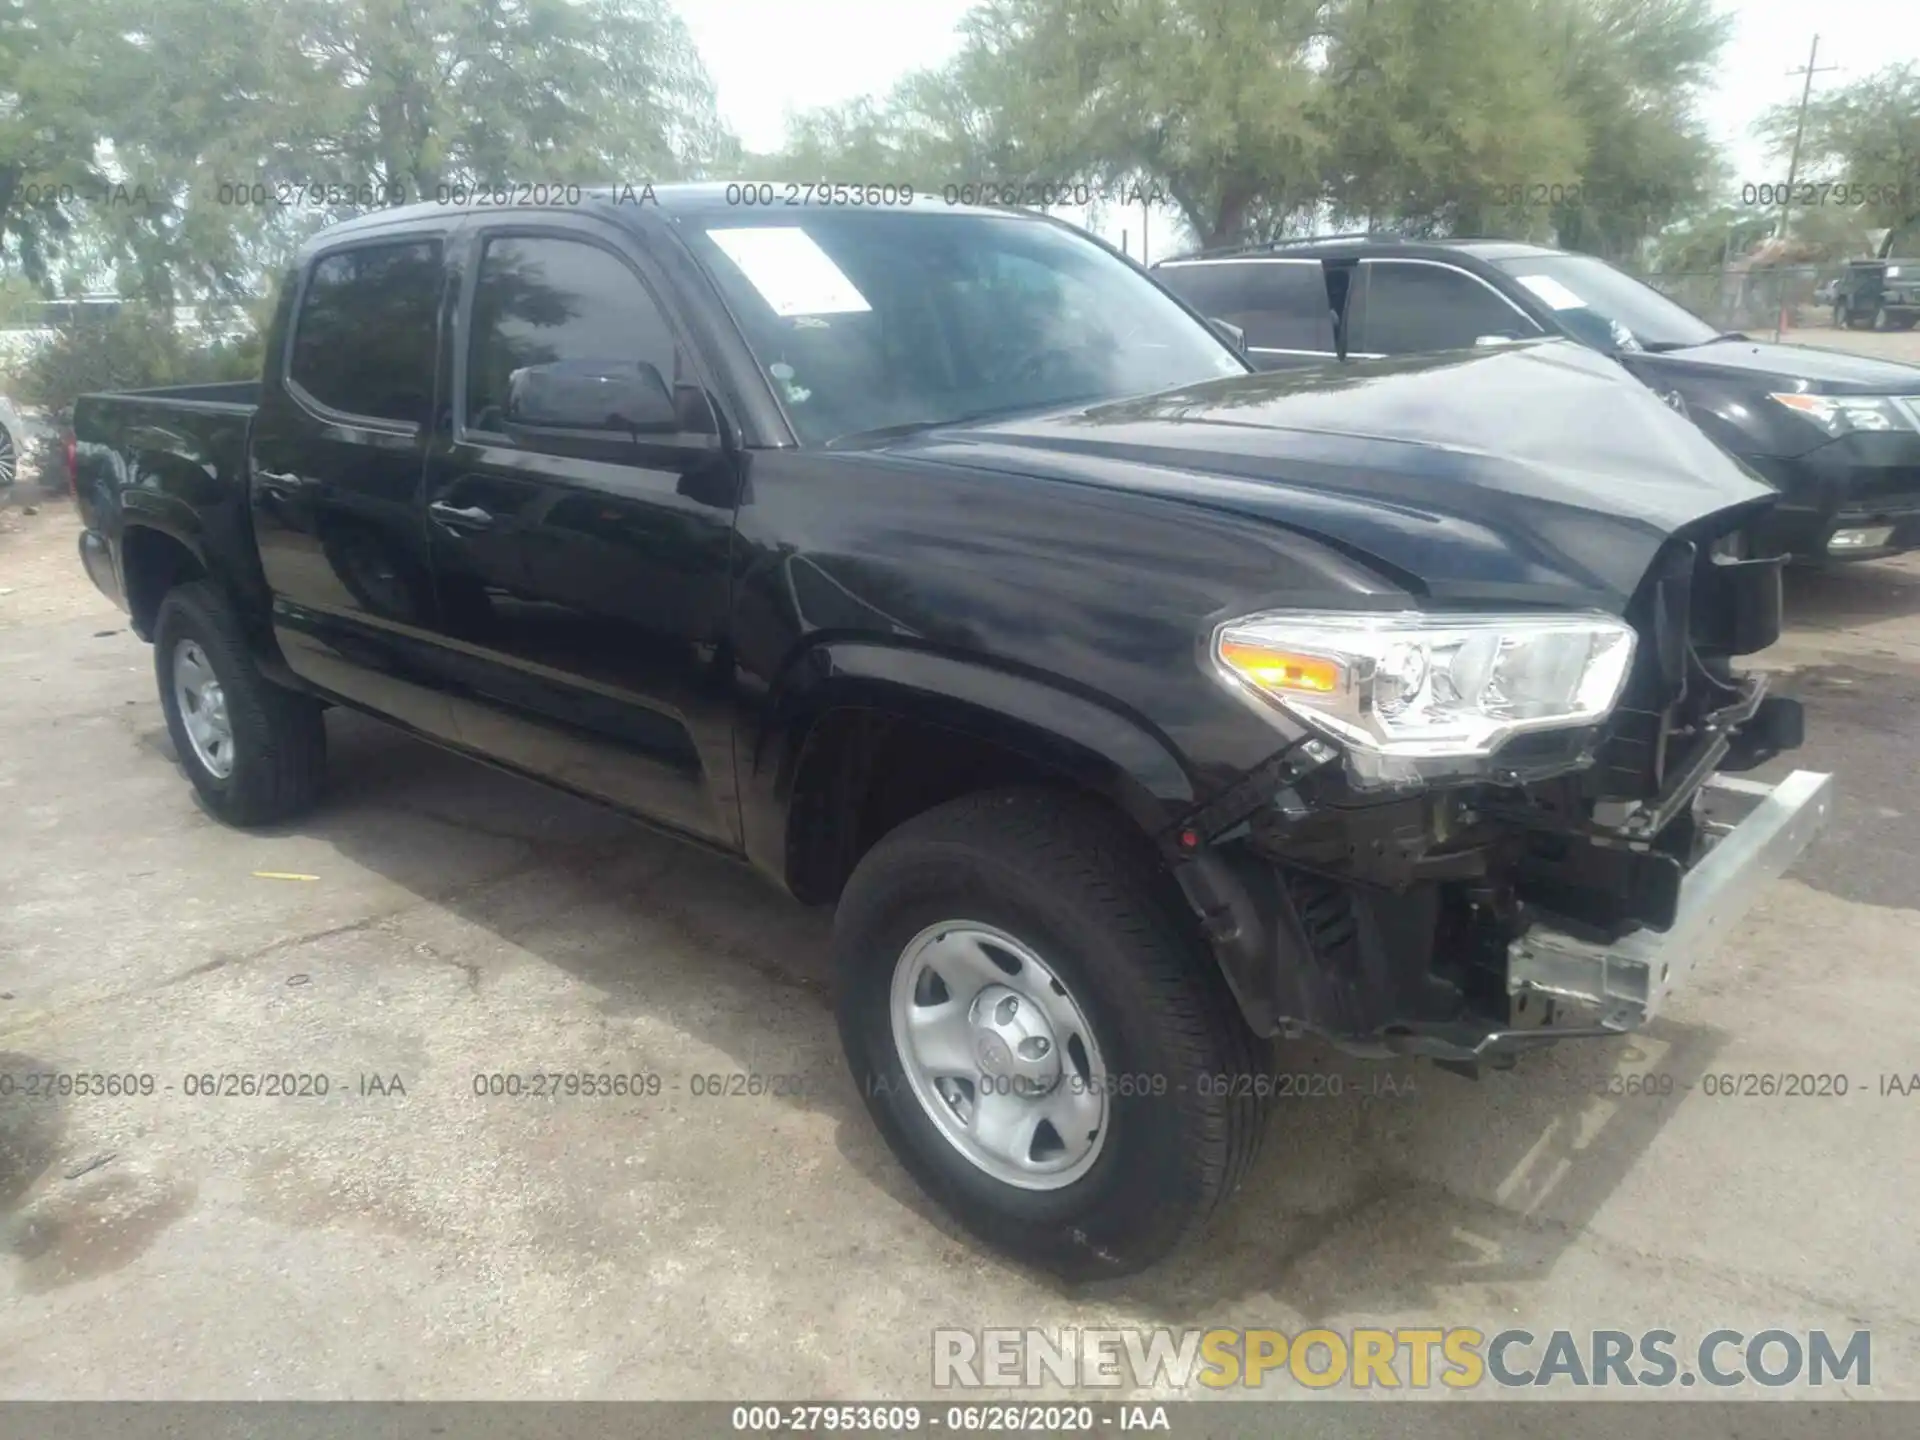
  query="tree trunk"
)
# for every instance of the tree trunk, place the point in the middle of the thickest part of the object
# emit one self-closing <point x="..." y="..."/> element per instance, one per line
<point x="1229" y="218"/>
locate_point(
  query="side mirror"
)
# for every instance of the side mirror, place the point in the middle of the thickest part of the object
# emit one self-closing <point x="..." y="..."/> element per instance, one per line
<point x="1229" y="332"/>
<point x="624" y="397"/>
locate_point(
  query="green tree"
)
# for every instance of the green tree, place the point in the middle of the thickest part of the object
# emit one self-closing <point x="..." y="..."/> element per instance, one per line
<point x="50" y="126"/>
<point x="132" y="347"/>
<point x="420" y="93"/>
<point x="1864" y="135"/>
<point x="1212" y="102"/>
<point x="1633" y="72"/>
<point x="164" y="133"/>
<point x="1200" y="105"/>
<point x="1567" y="119"/>
<point x="1447" y="118"/>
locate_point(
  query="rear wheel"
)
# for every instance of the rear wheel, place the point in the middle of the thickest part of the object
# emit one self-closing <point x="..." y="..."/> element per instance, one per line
<point x="1039" y="1034"/>
<point x="255" y="752"/>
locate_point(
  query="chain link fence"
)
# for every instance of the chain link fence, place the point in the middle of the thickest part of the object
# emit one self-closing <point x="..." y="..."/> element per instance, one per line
<point x="1736" y="297"/>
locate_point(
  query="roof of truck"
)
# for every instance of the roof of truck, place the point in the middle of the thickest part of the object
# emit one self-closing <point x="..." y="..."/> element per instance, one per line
<point x="622" y="199"/>
<point x="1320" y="247"/>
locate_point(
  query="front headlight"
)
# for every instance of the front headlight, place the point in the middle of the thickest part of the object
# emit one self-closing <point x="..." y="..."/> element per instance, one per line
<point x="1846" y="414"/>
<point x="1420" y="687"/>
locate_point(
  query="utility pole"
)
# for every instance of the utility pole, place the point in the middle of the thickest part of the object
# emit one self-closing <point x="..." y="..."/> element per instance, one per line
<point x="1810" y="69"/>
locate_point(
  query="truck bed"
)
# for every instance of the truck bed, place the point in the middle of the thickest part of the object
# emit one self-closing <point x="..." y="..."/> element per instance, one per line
<point x="173" y="461"/>
<point x="231" y="394"/>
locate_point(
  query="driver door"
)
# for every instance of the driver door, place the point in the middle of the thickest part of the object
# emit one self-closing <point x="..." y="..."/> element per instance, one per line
<point x="583" y="580"/>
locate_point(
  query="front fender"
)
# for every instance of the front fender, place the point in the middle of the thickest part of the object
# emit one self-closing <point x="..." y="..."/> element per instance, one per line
<point x="1086" y="740"/>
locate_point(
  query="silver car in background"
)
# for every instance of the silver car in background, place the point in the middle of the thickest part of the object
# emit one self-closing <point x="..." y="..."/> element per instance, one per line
<point x="29" y="445"/>
<point x="13" y="442"/>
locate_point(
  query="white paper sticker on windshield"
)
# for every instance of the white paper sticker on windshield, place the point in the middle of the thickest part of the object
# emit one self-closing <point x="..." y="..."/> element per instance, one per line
<point x="794" y="275"/>
<point x="1552" y="291"/>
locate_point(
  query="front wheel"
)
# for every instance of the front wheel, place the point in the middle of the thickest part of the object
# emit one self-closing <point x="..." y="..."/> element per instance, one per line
<point x="255" y="752"/>
<point x="1039" y="1034"/>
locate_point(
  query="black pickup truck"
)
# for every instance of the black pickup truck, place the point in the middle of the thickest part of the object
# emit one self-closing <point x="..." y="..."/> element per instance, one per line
<point x="1136" y="709"/>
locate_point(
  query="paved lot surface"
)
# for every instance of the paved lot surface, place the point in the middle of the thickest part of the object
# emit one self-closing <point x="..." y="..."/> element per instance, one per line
<point x="1901" y="345"/>
<point x="459" y="922"/>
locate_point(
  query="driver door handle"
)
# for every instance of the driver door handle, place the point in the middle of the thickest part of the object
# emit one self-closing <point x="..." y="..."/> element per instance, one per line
<point x="458" y="518"/>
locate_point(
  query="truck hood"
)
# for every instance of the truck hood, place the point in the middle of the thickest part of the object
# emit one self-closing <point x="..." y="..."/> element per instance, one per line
<point x="1831" y="372"/>
<point x="1537" y="474"/>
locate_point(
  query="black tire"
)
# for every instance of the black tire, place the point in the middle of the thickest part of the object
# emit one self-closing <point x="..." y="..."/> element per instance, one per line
<point x="279" y="738"/>
<point x="1069" y="880"/>
<point x="1857" y="321"/>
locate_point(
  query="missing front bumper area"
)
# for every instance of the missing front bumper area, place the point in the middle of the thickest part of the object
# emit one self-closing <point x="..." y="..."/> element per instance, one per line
<point x="1628" y="981"/>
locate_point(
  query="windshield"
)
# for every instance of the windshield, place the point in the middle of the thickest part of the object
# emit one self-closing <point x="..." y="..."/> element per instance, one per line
<point x="1589" y="297"/>
<point x="868" y="321"/>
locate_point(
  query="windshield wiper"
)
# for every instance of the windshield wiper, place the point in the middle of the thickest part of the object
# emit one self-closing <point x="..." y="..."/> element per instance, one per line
<point x="1661" y="347"/>
<point x="971" y="417"/>
<point x="909" y="427"/>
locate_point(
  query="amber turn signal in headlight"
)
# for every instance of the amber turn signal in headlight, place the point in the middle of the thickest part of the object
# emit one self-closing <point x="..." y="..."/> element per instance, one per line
<point x="1274" y="669"/>
<point x="1426" y="686"/>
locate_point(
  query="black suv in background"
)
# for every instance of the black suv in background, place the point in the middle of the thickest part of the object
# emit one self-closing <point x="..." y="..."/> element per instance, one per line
<point x="1877" y="295"/>
<point x="1838" y="435"/>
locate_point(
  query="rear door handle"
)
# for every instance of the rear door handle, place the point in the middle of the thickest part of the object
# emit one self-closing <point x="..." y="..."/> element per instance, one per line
<point x="285" y="485"/>
<point x="457" y="518"/>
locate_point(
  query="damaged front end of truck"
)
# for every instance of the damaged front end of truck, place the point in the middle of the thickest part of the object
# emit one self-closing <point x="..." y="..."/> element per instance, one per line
<point x="1500" y="829"/>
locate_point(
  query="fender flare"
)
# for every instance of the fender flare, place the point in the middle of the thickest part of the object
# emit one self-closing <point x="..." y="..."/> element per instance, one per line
<point x="152" y="514"/>
<point x="1093" y="742"/>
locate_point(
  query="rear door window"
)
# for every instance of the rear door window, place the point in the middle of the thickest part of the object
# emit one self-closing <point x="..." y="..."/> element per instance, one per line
<point x="364" y="340"/>
<point x="1281" y="304"/>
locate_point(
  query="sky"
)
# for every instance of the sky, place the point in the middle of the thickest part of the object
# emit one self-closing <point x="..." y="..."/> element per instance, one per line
<point x="770" y="57"/>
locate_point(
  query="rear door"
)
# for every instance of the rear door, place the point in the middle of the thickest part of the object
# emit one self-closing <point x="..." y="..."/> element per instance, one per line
<point x="582" y="574"/>
<point x="1407" y="306"/>
<point x="1281" y="304"/>
<point x="335" y="468"/>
